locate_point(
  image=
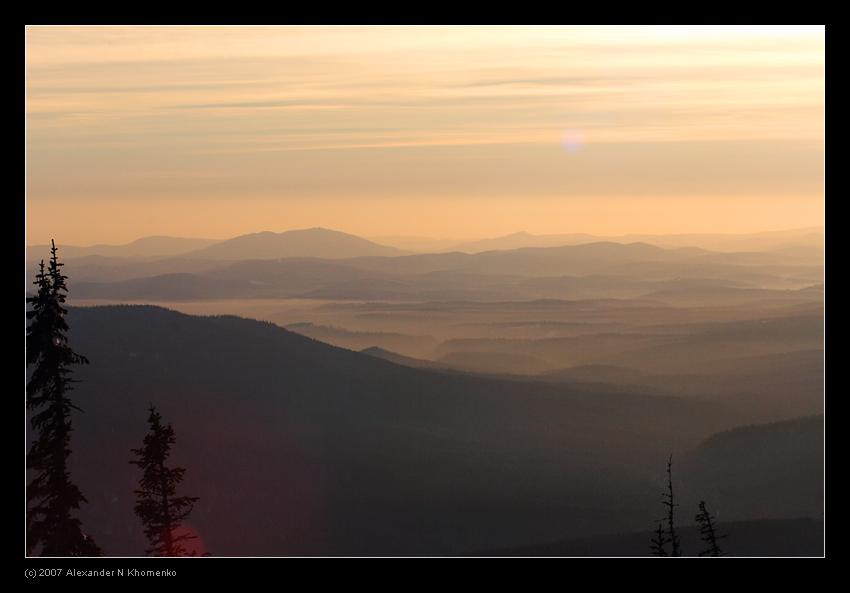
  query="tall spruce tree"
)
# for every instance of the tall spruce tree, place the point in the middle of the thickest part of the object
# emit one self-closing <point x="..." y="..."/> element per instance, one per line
<point x="52" y="498"/>
<point x="160" y="510"/>
<point x="670" y="503"/>
<point x="708" y="532"/>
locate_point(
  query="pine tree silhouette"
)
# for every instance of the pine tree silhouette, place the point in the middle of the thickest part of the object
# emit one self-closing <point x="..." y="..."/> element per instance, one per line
<point x="160" y="510"/>
<point x="51" y="496"/>
<point x="670" y="503"/>
<point x="708" y="532"/>
<point x="659" y="541"/>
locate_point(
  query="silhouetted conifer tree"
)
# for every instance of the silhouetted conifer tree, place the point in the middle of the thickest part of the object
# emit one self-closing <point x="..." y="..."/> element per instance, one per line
<point x="51" y="496"/>
<point x="670" y="503"/>
<point x="708" y="532"/>
<point x="659" y="542"/>
<point x="160" y="510"/>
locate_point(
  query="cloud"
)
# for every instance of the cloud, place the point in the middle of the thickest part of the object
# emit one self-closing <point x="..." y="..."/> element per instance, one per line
<point x="206" y="110"/>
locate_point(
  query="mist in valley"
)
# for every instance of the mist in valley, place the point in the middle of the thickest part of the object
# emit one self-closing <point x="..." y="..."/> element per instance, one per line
<point x="425" y="291"/>
<point x="504" y="398"/>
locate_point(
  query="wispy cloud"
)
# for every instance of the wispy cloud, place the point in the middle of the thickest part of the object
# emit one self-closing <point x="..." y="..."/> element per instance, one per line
<point x="145" y="103"/>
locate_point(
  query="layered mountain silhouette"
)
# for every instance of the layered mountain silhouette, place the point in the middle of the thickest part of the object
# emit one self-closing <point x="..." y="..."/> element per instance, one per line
<point x="295" y="446"/>
<point x="267" y="265"/>
<point x="156" y="246"/>
<point x="471" y="401"/>
<point x="399" y="359"/>
<point x="298" y="447"/>
<point x="331" y="244"/>
<point x="793" y="239"/>
<point x="773" y="386"/>
<point x="315" y="242"/>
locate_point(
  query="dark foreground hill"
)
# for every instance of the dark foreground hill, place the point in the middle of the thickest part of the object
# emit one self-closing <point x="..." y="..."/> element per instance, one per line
<point x="775" y="537"/>
<point x="779" y="464"/>
<point x="297" y="447"/>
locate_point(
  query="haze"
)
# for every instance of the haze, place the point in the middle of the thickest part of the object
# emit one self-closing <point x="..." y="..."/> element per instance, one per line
<point x="426" y="291"/>
<point x="446" y="132"/>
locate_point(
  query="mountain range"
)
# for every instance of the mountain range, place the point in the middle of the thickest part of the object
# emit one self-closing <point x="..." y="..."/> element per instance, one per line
<point x="396" y="403"/>
<point x="594" y="270"/>
<point x="331" y="244"/>
<point x="314" y="242"/>
<point x="157" y="246"/>
<point x="296" y="447"/>
<point x="765" y="241"/>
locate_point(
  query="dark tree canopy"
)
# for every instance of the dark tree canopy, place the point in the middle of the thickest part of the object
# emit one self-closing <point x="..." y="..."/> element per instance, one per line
<point x="158" y="506"/>
<point x="52" y="498"/>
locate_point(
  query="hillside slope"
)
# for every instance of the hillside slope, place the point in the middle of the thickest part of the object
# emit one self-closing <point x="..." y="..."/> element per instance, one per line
<point x="297" y="447"/>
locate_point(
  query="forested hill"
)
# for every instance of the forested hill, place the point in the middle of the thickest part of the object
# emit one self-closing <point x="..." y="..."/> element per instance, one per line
<point x="295" y="446"/>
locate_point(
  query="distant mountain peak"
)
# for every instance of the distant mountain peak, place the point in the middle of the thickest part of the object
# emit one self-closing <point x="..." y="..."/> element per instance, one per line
<point x="311" y="242"/>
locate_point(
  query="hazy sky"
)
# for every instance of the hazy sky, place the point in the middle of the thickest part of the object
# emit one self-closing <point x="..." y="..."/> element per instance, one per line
<point x="430" y="131"/>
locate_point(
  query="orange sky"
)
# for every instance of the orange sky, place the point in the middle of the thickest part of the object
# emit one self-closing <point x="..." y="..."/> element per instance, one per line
<point x="430" y="131"/>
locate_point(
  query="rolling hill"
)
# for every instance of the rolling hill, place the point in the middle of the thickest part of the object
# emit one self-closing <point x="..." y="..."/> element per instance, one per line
<point x="323" y="264"/>
<point x="780" y="464"/>
<point x="807" y="239"/>
<point x="297" y="447"/>
<point x="157" y="246"/>
<point x="315" y="242"/>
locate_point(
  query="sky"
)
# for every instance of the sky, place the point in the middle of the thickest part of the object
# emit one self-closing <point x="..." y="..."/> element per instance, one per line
<point x="455" y="132"/>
